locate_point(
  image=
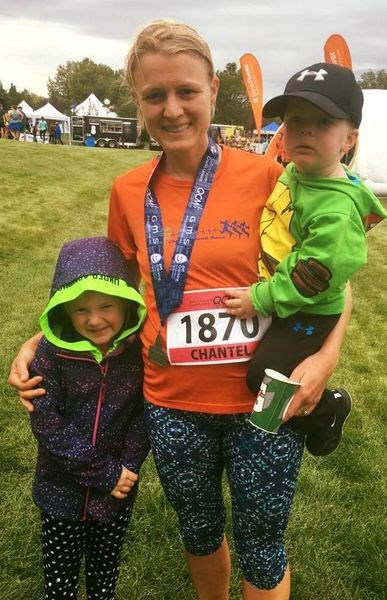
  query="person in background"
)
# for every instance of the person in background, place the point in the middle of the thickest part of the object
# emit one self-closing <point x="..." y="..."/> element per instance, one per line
<point x="187" y="224"/>
<point x="58" y="134"/>
<point x="7" y="133"/>
<point x="90" y="424"/>
<point x="14" y="122"/>
<point x="2" y="123"/>
<point x="42" y="127"/>
<point x="35" y="132"/>
<point x="312" y="237"/>
<point x="51" y="133"/>
<point x="23" y="124"/>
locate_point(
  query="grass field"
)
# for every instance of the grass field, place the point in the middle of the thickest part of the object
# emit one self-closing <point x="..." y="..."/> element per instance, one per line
<point x="337" y="533"/>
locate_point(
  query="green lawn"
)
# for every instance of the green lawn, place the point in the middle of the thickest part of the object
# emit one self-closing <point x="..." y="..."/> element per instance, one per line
<point x="336" y="537"/>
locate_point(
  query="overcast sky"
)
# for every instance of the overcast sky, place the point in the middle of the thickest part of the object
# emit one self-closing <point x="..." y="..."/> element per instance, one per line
<point x="36" y="36"/>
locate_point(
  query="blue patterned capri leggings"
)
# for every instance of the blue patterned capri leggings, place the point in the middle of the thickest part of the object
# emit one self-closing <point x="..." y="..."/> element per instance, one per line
<point x="191" y="451"/>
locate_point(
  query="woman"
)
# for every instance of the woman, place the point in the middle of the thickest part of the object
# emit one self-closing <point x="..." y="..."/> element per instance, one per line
<point x="188" y="225"/>
<point x="14" y="123"/>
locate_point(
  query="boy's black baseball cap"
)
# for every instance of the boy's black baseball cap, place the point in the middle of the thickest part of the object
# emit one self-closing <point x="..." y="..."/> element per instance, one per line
<point x="330" y="87"/>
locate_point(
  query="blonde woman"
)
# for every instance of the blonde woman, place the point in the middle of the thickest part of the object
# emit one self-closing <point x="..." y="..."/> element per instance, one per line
<point x="187" y="224"/>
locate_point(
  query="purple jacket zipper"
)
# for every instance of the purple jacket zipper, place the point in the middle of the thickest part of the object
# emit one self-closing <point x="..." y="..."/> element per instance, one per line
<point x="101" y="399"/>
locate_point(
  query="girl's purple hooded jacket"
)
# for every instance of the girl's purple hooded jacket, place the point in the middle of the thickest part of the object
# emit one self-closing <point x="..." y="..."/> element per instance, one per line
<point x="91" y="421"/>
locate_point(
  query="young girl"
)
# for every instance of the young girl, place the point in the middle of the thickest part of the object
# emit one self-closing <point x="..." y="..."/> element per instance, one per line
<point x="90" y="423"/>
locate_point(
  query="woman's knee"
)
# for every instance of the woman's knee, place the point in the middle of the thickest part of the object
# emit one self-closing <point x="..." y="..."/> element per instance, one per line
<point x="264" y="566"/>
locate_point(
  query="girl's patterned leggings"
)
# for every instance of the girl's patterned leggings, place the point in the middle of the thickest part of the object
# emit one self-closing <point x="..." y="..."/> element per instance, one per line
<point x="64" y="545"/>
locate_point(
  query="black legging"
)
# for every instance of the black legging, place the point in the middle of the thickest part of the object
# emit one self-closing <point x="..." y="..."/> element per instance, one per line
<point x="65" y="542"/>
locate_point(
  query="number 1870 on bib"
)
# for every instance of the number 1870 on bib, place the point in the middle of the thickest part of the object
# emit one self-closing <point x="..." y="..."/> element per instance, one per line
<point x="202" y="332"/>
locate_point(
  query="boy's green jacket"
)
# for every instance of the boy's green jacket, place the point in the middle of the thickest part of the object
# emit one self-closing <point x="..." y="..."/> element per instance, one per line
<point x="313" y="238"/>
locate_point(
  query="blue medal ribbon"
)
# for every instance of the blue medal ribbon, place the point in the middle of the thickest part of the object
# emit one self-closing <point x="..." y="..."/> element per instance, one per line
<point x="169" y="287"/>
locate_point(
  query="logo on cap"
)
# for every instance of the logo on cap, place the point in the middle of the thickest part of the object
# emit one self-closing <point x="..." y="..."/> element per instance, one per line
<point x="318" y="75"/>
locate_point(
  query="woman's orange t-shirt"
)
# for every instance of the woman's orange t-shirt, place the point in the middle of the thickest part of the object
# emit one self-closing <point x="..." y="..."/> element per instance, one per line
<point x="224" y="256"/>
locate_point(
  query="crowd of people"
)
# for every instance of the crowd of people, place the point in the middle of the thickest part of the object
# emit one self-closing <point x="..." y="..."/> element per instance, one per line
<point x="14" y="122"/>
<point x="14" y="125"/>
<point x="250" y="141"/>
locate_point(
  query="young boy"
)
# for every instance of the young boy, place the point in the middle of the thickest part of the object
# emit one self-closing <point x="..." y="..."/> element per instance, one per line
<point x="312" y="237"/>
<point x="90" y="423"/>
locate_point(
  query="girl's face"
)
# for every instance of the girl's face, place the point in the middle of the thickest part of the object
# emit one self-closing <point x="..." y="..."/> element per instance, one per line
<point x="97" y="317"/>
<point x="314" y="140"/>
<point x="175" y="96"/>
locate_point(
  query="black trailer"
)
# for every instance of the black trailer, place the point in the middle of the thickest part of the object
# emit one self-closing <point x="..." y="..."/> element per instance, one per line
<point x="105" y="132"/>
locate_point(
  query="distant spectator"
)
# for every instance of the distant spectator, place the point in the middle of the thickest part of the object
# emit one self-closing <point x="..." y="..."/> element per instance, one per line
<point x="15" y="118"/>
<point x="42" y="126"/>
<point x="23" y="123"/>
<point x="51" y="133"/>
<point x="58" y="133"/>
<point x="6" y="119"/>
<point x="35" y="132"/>
<point x="2" y="123"/>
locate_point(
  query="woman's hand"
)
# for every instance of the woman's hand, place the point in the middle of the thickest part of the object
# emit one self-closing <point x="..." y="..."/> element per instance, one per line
<point x="19" y="375"/>
<point x="313" y="373"/>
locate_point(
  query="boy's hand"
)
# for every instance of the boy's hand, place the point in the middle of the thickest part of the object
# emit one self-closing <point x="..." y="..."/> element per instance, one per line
<point x="239" y="304"/>
<point x="124" y="484"/>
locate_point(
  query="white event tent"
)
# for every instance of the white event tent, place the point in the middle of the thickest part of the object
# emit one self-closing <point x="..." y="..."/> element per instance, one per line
<point x="26" y="108"/>
<point x="371" y="159"/>
<point x="92" y="106"/>
<point x="50" y="113"/>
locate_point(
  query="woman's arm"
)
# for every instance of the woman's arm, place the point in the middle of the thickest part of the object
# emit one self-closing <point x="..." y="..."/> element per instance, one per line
<point x="19" y="376"/>
<point x="315" y="370"/>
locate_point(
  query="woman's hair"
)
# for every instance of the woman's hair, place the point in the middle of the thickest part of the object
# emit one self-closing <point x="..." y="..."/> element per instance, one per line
<point x="167" y="37"/>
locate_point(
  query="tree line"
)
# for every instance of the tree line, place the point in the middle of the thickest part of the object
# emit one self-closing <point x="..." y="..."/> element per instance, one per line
<point x="76" y="80"/>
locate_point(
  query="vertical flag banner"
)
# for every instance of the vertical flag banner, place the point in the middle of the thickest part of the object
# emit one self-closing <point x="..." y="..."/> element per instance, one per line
<point x="336" y="51"/>
<point x="252" y="78"/>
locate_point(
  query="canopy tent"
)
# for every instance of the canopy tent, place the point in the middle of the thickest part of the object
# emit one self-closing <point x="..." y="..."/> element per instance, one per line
<point x="50" y="113"/>
<point x="26" y="108"/>
<point x="92" y="106"/>
<point x="371" y="159"/>
<point x="270" y="128"/>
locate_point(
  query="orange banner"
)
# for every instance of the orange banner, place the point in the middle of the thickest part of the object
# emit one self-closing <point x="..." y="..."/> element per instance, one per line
<point x="252" y="78"/>
<point x="336" y="51"/>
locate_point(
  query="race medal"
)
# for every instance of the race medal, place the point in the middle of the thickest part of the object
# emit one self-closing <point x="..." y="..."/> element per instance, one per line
<point x="169" y="286"/>
<point x="200" y="331"/>
<point x="156" y="353"/>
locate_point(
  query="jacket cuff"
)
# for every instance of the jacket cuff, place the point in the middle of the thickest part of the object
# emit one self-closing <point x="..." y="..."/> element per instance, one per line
<point x="261" y="298"/>
<point x="134" y="463"/>
<point x="113" y="473"/>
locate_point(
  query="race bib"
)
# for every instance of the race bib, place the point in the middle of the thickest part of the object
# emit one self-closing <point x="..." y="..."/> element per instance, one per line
<point x="200" y="331"/>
